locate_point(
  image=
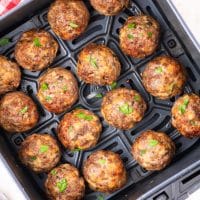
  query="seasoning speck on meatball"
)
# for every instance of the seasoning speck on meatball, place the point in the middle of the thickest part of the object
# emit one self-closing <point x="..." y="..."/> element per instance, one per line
<point x="40" y="152"/>
<point x="10" y="75"/>
<point x="65" y="183"/>
<point x="98" y="64"/>
<point x="186" y="115"/>
<point x="104" y="171"/>
<point x="68" y="18"/>
<point x="108" y="7"/>
<point x="164" y="77"/>
<point x="153" y="150"/>
<point x="140" y="35"/>
<point x="18" y="112"/>
<point x="58" y="90"/>
<point x="79" y="129"/>
<point x="36" y="50"/>
<point x="123" y="108"/>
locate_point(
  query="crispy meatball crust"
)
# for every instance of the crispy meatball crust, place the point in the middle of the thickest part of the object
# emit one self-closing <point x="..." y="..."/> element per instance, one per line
<point x="123" y="107"/>
<point x="65" y="183"/>
<point x="140" y="35"/>
<point x="164" y="77"/>
<point x="36" y="50"/>
<point x="98" y="64"/>
<point x="58" y="90"/>
<point x="10" y="75"/>
<point x="40" y="152"/>
<point x="104" y="171"/>
<point x="109" y="7"/>
<point x="186" y="115"/>
<point x="68" y="18"/>
<point x="153" y="150"/>
<point x="18" y="112"/>
<point x="79" y="129"/>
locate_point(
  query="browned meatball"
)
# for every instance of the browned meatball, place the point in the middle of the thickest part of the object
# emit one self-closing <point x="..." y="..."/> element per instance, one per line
<point x="40" y="152"/>
<point x="186" y="115"/>
<point x="97" y="64"/>
<point x="139" y="37"/>
<point x="104" y="171"/>
<point x="36" y="50"/>
<point x="10" y="75"/>
<point x="164" y="77"/>
<point x="153" y="150"/>
<point x="79" y="129"/>
<point x="58" y="90"/>
<point x="18" y="112"/>
<point x="109" y="7"/>
<point x="123" y="107"/>
<point x="65" y="183"/>
<point x="68" y="18"/>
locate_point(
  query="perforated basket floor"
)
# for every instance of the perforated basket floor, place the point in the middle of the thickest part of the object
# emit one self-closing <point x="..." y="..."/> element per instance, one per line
<point x="105" y="30"/>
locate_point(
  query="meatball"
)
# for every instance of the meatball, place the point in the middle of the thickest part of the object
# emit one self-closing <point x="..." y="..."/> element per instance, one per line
<point x="97" y="64"/>
<point x="186" y="115"/>
<point x="164" y="77"/>
<point x="65" y="183"/>
<point x="10" y="75"/>
<point x="109" y="7"/>
<point x="123" y="107"/>
<point x="40" y="152"/>
<point x="153" y="150"/>
<point x="68" y="18"/>
<point x="58" y="90"/>
<point x="139" y="37"/>
<point x="79" y="129"/>
<point x="18" y="112"/>
<point x="104" y="171"/>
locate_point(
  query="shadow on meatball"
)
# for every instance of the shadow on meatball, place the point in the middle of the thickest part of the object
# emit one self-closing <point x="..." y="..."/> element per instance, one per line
<point x="98" y="64"/>
<point x="18" y="112"/>
<point x="65" y="183"/>
<point x="104" y="171"/>
<point x="164" y="77"/>
<point x="68" y="18"/>
<point x="140" y="35"/>
<point x="108" y="7"/>
<point x="153" y="150"/>
<point x="36" y="50"/>
<point x="10" y="75"/>
<point x="123" y="108"/>
<point x="58" y="90"/>
<point x="186" y="115"/>
<point x="40" y="152"/>
<point x="79" y="129"/>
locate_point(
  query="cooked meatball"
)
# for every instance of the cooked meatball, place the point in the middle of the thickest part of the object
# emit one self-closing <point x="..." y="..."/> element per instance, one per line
<point x="104" y="171"/>
<point x="40" y="152"/>
<point x="97" y="64"/>
<point x="139" y="37"/>
<point x="65" y="183"/>
<point x="36" y="50"/>
<point x="123" y="107"/>
<point x="153" y="150"/>
<point x="109" y="7"/>
<point x="10" y="75"/>
<point x="164" y="77"/>
<point x="68" y="18"/>
<point x="79" y="129"/>
<point x="18" y="112"/>
<point x="186" y="115"/>
<point x="58" y="90"/>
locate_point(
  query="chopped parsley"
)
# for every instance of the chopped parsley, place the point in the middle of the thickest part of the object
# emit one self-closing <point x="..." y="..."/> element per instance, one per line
<point x="48" y="98"/>
<point x="130" y="36"/>
<point x="36" y="42"/>
<point x="137" y="98"/>
<point x="159" y="70"/>
<point x="62" y="185"/>
<point x="143" y="151"/>
<point x="113" y="85"/>
<point x="76" y="150"/>
<point x="73" y="25"/>
<point x="182" y="108"/>
<point x="132" y="25"/>
<point x="150" y="34"/>
<point x="44" y="148"/>
<point x="84" y="116"/>
<point x="53" y="172"/>
<point x="65" y="88"/>
<point x="24" y="110"/>
<point x="102" y="161"/>
<point x="4" y="42"/>
<point x="99" y="95"/>
<point x="153" y="143"/>
<point x="126" y="109"/>
<point x="100" y="197"/>
<point x="33" y="158"/>
<point x="93" y="61"/>
<point x="45" y="86"/>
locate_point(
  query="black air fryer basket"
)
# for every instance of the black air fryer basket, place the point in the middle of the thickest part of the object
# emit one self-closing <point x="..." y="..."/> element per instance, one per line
<point x="174" y="182"/>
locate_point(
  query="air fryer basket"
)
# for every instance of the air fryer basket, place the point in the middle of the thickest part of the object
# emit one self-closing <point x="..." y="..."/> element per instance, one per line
<point x="105" y="30"/>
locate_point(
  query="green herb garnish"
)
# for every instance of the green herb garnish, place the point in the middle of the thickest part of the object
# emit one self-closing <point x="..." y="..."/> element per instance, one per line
<point x="150" y="34"/>
<point x="100" y="197"/>
<point x="159" y="70"/>
<point x="93" y="61"/>
<point x="48" y="98"/>
<point x="4" y="42"/>
<point x="113" y="85"/>
<point x="182" y="108"/>
<point x="137" y="98"/>
<point x="130" y="36"/>
<point x="84" y="116"/>
<point x="44" y="148"/>
<point x="53" y="172"/>
<point x="65" y="88"/>
<point x="36" y="42"/>
<point x="126" y="109"/>
<point x="143" y="151"/>
<point x="73" y="25"/>
<point x="33" y="158"/>
<point x="153" y="143"/>
<point x="99" y="95"/>
<point x="24" y="110"/>
<point x="76" y="150"/>
<point x="132" y="25"/>
<point x="102" y="161"/>
<point x="62" y="185"/>
<point x="45" y="86"/>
